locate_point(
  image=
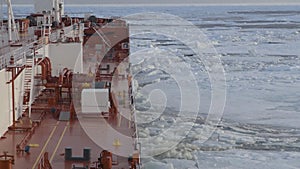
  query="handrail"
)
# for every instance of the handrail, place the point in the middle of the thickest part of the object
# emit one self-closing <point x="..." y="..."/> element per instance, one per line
<point x="54" y="36"/>
<point x="21" y="92"/>
<point x="138" y="144"/>
<point x="31" y="97"/>
<point x="19" y="52"/>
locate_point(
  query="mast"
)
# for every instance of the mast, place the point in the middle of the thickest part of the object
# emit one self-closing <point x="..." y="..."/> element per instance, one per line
<point x="58" y="10"/>
<point x="11" y="21"/>
<point x="1" y="14"/>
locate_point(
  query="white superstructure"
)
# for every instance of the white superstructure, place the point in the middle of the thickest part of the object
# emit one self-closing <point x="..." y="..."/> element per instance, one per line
<point x="55" y="7"/>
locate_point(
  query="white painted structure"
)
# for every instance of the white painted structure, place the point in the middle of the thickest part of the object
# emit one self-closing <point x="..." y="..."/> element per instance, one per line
<point x="65" y="55"/>
<point x="12" y="29"/>
<point x="56" y="7"/>
<point x="6" y="104"/>
<point x="62" y="55"/>
<point x="95" y="101"/>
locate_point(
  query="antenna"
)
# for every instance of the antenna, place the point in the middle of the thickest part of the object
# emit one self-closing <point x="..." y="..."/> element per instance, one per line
<point x="1" y="14"/>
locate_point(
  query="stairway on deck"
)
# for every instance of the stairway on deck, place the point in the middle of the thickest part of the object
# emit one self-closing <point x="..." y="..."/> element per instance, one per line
<point x="27" y="84"/>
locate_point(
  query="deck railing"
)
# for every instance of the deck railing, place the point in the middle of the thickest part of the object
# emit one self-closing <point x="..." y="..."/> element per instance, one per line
<point x="27" y="49"/>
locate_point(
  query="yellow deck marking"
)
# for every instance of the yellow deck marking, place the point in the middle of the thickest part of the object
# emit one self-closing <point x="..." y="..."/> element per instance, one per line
<point x="34" y="145"/>
<point x="38" y="159"/>
<point x="117" y="143"/>
<point x="59" y="141"/>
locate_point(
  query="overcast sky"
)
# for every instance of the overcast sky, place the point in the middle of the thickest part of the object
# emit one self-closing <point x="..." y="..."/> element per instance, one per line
<point x="99" y="2"/>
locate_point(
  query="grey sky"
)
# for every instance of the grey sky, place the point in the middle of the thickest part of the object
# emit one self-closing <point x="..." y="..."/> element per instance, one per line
<point x="170" y="2"/>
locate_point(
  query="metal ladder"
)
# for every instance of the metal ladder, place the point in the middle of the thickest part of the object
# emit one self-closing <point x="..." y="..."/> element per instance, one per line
<point x="28" y="76"/>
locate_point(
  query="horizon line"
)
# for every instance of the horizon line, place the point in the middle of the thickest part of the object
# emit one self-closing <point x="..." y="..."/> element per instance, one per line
<point x="178" y="4"/>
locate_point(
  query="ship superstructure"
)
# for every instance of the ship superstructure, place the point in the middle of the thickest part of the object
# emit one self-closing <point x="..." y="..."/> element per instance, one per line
<point x="67" y="93"/>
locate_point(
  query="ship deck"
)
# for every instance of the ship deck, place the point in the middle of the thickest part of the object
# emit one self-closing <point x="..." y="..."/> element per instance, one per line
<point x="53" y="136"/>
<point x="48" y="137"/>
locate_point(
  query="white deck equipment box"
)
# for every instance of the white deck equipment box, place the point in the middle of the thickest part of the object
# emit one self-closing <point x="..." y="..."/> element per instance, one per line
<point x="95" y="101"/>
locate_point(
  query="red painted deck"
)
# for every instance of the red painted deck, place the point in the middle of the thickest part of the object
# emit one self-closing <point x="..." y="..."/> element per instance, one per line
<point x="54" y="136"/>
<point x="115" y="134"/>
